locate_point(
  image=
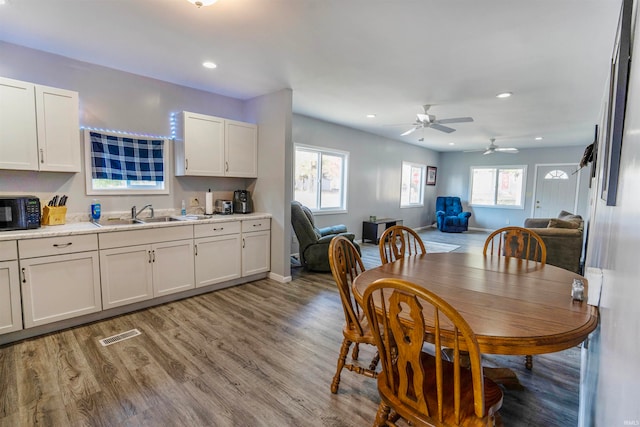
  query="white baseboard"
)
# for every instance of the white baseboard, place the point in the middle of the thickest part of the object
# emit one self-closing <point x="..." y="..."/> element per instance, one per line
<point x="279" y="278"/>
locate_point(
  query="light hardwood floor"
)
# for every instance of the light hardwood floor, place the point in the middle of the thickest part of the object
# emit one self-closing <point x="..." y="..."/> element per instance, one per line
<point x="259" y="354"/>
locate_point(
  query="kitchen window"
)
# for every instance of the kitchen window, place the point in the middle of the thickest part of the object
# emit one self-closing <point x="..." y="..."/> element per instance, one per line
<point x="412" y="189"/>
<point x="498" y="186"/>
<point x="118" y="163"/>
<point x="320" y="178"/>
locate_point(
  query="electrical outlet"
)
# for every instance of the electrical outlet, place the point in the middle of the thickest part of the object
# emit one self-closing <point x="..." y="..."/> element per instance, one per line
<point x="194" y="202"/>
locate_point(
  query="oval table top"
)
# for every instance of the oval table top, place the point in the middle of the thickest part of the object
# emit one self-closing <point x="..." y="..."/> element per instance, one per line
<point x="514" y="306"/>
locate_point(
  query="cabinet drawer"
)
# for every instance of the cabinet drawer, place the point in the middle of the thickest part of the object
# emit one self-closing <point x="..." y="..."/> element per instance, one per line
<point x="119" y="239"/>
<point x="8" y="250"/>
<point x="256" y="225"/>
<point x="217" y="229"/>
<point x="46" y="246"/>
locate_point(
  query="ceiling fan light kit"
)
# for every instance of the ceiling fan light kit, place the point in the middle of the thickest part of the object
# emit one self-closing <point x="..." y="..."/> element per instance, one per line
<point x="493" y="148"/>
<point x="201" y="3"/>
<point x="427" y="120"/>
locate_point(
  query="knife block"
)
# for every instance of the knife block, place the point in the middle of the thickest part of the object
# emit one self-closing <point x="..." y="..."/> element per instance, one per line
<point x="54" y="215"/>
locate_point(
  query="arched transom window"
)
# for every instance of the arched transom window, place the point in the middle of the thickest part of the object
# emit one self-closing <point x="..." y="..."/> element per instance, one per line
<point x="556" y="174"/>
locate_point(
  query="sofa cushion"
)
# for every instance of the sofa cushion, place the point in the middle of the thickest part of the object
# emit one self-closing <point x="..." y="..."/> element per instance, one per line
<point x="568" y="216"/>
<point x="561" y="223"/>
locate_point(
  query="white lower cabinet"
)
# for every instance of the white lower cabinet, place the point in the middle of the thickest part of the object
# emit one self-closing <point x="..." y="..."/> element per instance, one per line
<point x="256" y="246"/>
<point x="133" y="272"/>
<point x="58" y="287"/>
<point x="217" y="252"/>
<point x="10" y="309"/>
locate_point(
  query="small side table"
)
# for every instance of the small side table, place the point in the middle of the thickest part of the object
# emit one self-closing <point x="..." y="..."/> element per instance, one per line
<point x="372" y="230"/>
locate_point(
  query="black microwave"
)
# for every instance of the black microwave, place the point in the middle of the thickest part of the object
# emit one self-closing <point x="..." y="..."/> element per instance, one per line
<point x="19" y="213"/>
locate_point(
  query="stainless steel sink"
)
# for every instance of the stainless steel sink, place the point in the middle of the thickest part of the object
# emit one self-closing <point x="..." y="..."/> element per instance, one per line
<point x="157" y="219"/>
<point x="106" y="222"/>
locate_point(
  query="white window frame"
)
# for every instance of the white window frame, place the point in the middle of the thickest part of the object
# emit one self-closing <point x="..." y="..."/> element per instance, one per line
<point x="129" y="190"/>
<point x="423" y="174"/>
<point x="495" y="196"/>
<point x="345" y="176"/>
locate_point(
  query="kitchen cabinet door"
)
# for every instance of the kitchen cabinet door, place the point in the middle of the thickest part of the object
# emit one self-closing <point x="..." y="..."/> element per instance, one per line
<point x="241" y="149"/>
<point x="173" y="269"/>
<point x="18" y="133"/>
<point x="10" y="308"/>
<point x="217" y="259"/>
<point x="57" y="113"/>
<point x="126" y="275"/>
<point x="256" y="252"/>
<point x="201" y="150"/>
<point x="60" y="287"/>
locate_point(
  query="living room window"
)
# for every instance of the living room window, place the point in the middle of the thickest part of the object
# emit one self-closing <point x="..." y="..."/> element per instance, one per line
<point x="320" y="178"/>
<point x="498" y="186"/>
<point x="412" y="189"/>
<point x="118" y="163"/>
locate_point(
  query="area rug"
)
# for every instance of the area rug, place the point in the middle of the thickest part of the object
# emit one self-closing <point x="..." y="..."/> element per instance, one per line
<point x="435" y="247"/>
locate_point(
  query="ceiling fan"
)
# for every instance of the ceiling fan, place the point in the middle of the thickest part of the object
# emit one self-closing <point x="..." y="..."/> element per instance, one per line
<point x="493" y="148"/>
<point x="427" y="120"/>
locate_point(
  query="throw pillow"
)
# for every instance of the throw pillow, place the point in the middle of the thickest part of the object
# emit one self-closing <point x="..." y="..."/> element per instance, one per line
<point x="561" y="223"/>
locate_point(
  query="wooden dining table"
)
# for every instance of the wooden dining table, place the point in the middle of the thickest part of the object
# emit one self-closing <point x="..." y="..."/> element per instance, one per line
<point x="514" y="306"/>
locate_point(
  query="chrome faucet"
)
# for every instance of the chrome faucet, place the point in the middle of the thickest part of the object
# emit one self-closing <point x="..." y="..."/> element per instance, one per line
<point x="134" y="214"/>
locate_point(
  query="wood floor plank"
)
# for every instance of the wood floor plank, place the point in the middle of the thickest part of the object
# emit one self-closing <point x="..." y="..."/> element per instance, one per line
<point x="259" y="354"/>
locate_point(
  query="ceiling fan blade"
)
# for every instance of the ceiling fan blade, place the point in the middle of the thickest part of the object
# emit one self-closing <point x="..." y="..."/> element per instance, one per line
<point x="456" y="120"/>
<point x="507" y="150"/>
<point x="489" y="151"/>
<point x="442" y="128"/>
<point x="413" y="129"/>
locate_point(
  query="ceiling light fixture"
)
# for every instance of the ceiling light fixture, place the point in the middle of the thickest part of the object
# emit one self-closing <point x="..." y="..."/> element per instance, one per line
<point x="209" y="64"/>
<point x="201" y="3"/>
<point x="504" y="95"/>
<point x="539" y="138"/>
<point x="371" y="116"/>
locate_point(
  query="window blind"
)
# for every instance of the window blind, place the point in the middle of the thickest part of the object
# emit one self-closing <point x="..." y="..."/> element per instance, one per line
<point x="125" y="158"/>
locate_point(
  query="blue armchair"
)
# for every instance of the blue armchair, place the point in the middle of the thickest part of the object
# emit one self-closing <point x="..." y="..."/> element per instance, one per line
<point x="449" y="215"/>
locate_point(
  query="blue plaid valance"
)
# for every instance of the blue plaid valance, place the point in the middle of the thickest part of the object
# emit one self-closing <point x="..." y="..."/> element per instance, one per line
<point x="124" y="158"/>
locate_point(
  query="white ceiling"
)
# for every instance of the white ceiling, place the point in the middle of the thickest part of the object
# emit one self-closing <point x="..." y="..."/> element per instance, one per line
<point x="344" y="59"/>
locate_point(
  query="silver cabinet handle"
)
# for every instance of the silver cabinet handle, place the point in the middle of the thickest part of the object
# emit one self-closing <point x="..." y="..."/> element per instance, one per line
<point x="186" y="164"/>
<point x="226" y="166"/>
<point x="195" y="250"/>
<point x="257" y="225"/>
<point x="216" y="229"/>
<point x="149" y="257"/>
<point x="24" y="276"/>
<point x="41" y="155"/>
<point x="153" y="255"/>
<point x="62" y="245"/>
<point x="243" y="242"/>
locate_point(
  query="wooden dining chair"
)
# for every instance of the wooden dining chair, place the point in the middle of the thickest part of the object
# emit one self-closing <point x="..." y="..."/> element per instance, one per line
<point x="346" y="265"/>
<point x="398" y="241"/>
<point x="521" y="243"/>
<point x="426" y="389"/>
<point x="516" y="242"/>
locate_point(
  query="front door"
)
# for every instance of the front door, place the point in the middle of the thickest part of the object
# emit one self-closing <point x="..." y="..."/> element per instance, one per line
<point x="556" y="190"/>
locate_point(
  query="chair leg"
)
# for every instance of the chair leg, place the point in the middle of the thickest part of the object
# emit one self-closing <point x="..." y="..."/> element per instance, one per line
<point x="374" y="362"/>
<point x="528" y="361"/>
<point x="382" y="415"/>
<point x="344" y="349"/>
<point x="356" y="351"/>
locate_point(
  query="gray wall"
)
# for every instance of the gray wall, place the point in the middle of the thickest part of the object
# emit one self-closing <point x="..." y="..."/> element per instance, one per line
<point x="613" y="370"/>
<point x="116" y="100"/>
<point x="375" y="165"/>
<point x="454" y="181"/>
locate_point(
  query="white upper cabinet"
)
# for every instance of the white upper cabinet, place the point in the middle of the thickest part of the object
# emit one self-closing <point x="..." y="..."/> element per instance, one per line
<point x="212" y="146"/>
<point x="39" y="127"/>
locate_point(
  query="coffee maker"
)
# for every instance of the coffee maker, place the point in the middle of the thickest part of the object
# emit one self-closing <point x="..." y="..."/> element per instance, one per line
<point x="242" y="202"/>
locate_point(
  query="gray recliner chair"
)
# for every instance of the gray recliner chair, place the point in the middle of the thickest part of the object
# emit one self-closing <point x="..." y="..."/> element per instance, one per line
<point x="314" y="242"/>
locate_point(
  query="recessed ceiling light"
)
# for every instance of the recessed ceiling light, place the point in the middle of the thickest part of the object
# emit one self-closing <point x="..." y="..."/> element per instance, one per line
<point x="209" y="64"/>
<point x="504" y="95"/>
<point x="371" y="116"/>
<point x="201" y="3"/>
<point x="452" y="143"/>
<point x="539" y="138"/>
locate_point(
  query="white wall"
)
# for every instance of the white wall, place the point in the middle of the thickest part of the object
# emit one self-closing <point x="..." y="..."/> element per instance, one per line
<point x="614" y="239"/>
<point x="375" y="165"/>
<point x="455" y="181"/>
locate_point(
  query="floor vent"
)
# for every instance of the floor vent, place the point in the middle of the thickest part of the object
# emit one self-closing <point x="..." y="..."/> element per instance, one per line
<point x="120" y="337"/>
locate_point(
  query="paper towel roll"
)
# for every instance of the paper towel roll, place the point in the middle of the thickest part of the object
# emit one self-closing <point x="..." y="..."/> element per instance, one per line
<point x="208" y="206"/>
